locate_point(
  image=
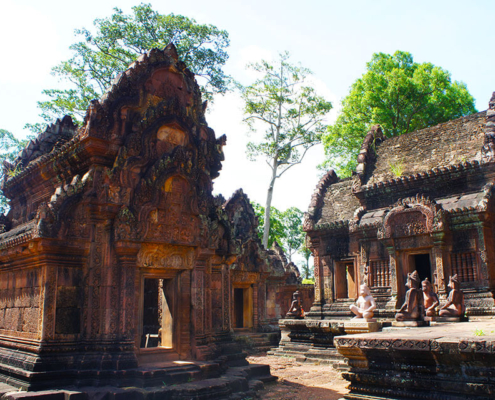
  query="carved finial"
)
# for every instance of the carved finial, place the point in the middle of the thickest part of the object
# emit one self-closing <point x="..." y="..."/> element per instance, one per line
<point x="171" y="51"/>
<point x="491" y="103"/>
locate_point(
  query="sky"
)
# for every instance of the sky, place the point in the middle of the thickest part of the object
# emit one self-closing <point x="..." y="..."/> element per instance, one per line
<point x="334" y="39"/>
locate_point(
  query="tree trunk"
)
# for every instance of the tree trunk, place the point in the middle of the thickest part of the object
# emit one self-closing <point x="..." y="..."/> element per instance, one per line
<point x="269" y="195"/>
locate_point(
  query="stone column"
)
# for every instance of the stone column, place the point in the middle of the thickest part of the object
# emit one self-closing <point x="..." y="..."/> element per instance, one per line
<point x="483" y="265"/>
<point x="328" y="280"/>
<point x="394" y="265"/>
<point x="319" y="287"/>
<point x="226" y="303"/>
<point x="438" y="256"/>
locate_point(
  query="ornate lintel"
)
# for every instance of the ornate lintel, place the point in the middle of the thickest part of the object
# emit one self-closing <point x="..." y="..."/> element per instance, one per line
<point x="164" y="256"/>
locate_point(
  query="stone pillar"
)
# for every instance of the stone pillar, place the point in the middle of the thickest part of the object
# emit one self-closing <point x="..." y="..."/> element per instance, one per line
<point x="129" y="291"/>
<point x="394" y="265"/>
<point x="226" y="302"/>
<point x="483" y="265"/>
<point x="439" y="256"/>
<point x="328" y="280"/>
<point x="316" y="309"/>
<point x="48" y="295"/>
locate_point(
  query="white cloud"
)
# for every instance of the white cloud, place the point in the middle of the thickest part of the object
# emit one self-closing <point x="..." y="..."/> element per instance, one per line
<point x="29" y="38"/>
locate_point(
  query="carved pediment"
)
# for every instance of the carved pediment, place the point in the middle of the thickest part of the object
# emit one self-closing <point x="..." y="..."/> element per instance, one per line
<point x="412" y="217"/>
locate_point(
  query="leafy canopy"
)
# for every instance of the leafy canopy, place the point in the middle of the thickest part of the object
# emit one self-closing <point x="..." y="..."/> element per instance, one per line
<point x="400" y="95"/>
<point x="277" y="230"/>
<point x="118" y="41"/>
<point x="286" y="108"/>
<point x="286" y="228"/>
<point x="10" y="147"/>
<point x="306" y="270"/>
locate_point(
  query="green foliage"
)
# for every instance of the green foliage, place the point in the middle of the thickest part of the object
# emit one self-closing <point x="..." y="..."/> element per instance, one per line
<point x="479" y="332"/>
<point x="307" y="281"/>
<point x="286" y="228"/>
<point x="10" y="147"/>
<point x="400" y="95"/>
<point x="307" y="272"/>
<point x="118" y="41"/>
<point x="292" y="219"/>
<point x="288" y="111"/>
<point x="277" y="230"/>
<point x="397" y="168"/>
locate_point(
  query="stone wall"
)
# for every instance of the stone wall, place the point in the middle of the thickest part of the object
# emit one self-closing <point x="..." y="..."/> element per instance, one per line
<point x="20" y="293"/>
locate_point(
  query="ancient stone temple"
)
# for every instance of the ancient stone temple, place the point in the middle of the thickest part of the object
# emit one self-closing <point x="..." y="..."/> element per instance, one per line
<point x="421" y="201"/>
<point x="262" y="280"/>
<point x="115" y="253"/>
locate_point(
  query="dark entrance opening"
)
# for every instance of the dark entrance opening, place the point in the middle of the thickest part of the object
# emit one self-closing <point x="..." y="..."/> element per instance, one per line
<point x="239" y="308"/>
<point x="423" y="266"/>
<point x="157" y="314"/>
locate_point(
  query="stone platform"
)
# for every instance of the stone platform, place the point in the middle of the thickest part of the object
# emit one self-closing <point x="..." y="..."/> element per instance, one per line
<point x="173" y="380"/>
<point x="449" y="361"/>
<point x="309" y="340"/>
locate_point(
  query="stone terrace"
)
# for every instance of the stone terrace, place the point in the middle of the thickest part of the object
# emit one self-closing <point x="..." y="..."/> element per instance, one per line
<point x="445" y="361"/>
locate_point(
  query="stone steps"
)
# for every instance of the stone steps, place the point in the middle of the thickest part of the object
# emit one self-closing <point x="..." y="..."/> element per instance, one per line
<point x="235" y="384"/>
<point x="255" y="341"/>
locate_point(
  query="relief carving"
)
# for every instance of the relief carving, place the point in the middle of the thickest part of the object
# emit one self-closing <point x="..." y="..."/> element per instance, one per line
<point x="158" y="256"/>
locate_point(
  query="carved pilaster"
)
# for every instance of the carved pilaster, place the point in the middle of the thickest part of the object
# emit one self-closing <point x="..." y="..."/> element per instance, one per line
<point x="49" y="292"/>
<point x="483" y="265"/>
<point x="439" y="273"/>
<point x="328" y="280"/>
<point x="226" y="297"/>
<point x="128" y="287"/>
<point x="319" y="284"/>
<point x="394" y="265"/>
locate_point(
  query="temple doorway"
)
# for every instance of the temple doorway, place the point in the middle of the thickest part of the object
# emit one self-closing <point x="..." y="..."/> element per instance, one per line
<point x="157" y="314"/>
<point x="345" y="281"/>
<point x="422" y="264"/>
<point x="243" y="307"/>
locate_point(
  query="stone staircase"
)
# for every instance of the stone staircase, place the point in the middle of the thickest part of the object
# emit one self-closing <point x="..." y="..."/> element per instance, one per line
<point x="304" y="353"/>
<point x="229" y="377"/>
<point x="188" y="382"/>
<point x="256" y="342"/>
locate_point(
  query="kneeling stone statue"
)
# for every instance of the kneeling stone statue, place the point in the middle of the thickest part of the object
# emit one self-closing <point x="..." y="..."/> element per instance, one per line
<point x="413" y="307"/>
<point x="365" y="304"/>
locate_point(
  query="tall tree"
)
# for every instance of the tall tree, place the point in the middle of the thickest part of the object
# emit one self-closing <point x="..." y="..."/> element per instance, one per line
<point x="400" y="95"/>
<point x="117" y="41"/>
<point x="10" y="147"/>
<point x="283" y="105"/>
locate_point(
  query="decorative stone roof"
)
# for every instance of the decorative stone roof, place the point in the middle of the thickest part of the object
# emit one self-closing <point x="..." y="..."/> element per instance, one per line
<point x="339" y="203"/>
<point x="440" y="146"/>
<point x="446" y="162"/>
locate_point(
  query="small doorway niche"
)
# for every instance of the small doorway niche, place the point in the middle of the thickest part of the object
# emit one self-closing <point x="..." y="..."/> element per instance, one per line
<point x="157" y="314"/>
<point x="345" y="282"/>
<point x="243" y="307"/>
<point x="422" y="264"/>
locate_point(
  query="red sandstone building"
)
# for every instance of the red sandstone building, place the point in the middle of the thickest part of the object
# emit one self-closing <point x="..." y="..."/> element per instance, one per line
<point x="421" y="201"/>
<point x="115" y="253"/>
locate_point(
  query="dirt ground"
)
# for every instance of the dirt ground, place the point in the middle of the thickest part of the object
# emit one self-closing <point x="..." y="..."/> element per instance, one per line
<point x="300" y="380"/>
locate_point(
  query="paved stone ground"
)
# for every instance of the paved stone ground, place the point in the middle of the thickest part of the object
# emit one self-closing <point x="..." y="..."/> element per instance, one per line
<point x="298" y="381"/>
